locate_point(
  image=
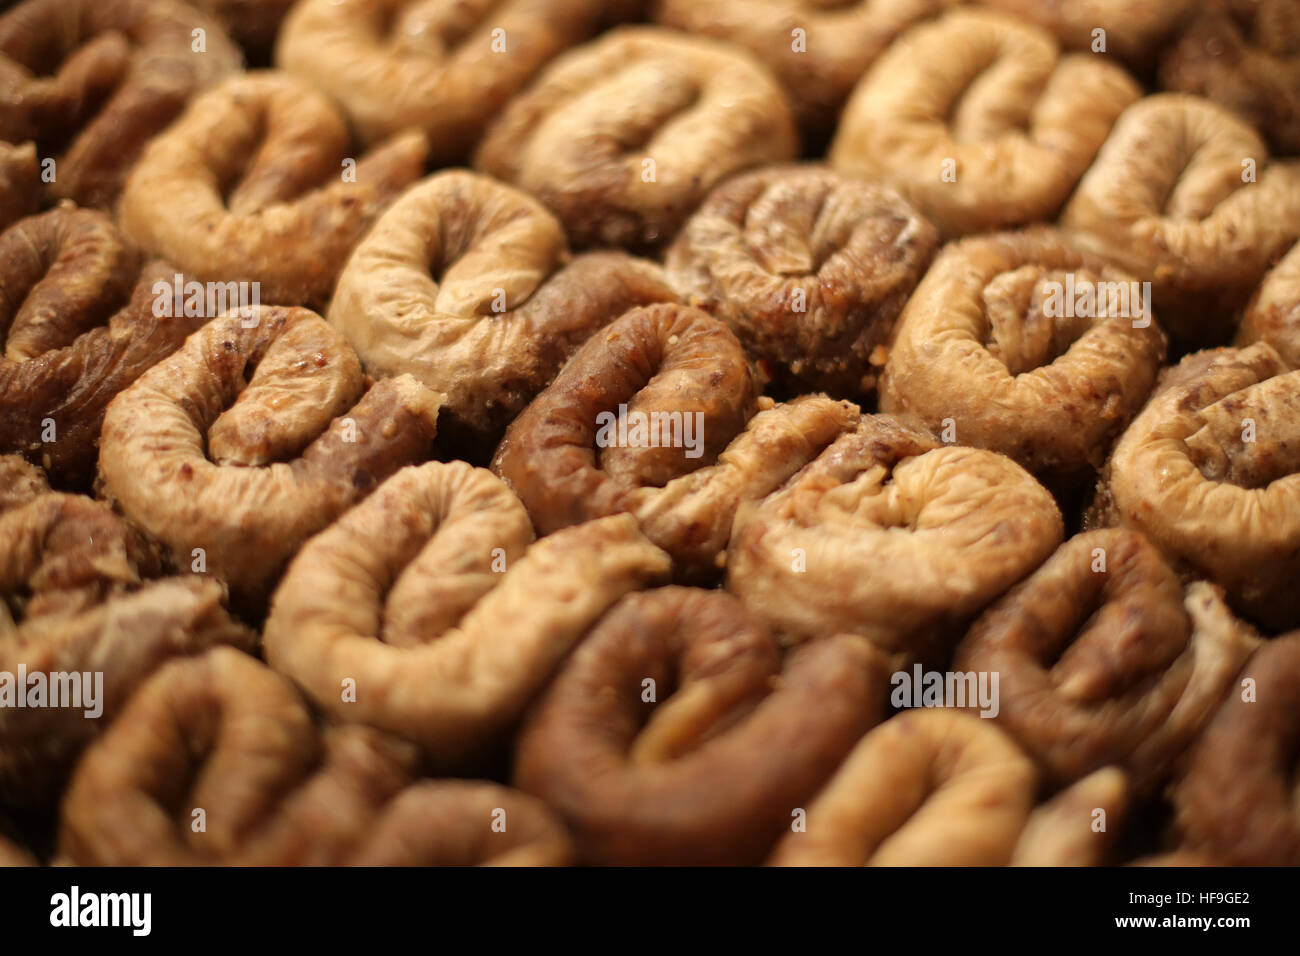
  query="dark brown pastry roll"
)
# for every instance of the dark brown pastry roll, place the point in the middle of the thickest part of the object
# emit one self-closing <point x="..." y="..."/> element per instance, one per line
<point x="818" y="50"/>
<point x="427" y="601"/>
<point x="925" y="788"/>
<point x="80" y="322"/>
<point x="980" y="120"/>
<point x="623" y="138"/>
<point x="1208" y="472"/>
<point x="650" y="417"/>
<point x="287" y="217"/>
<point x="1103" y="661"/>
<point x="20" y="183"/>
<point x="892" y="536"/>
<point x="444" y="68"/>
<point x="1245" y="55"/>
<point x="468" y="285"/>
<point x="1236" y="803"/>
<point x="91" y="81"/>
<point x="809" y="268"/>
<point x="256" y="434"/>
<point x="1020" y="344"/>
<point x="675" y="735"/>
<point x="1273" y="315"/>
<point x="1183" y="195"/>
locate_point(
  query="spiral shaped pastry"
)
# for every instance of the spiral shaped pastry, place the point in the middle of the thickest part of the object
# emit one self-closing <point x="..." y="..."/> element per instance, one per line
<point x="623" y="138"/>
<point x="91" y="81"/>
<point x="215" y="760"/>
<point x="467" y="284"/>
<point x="285" y="219"/>
<point x="82" y="624"/>
<point x="444" y="68"/>
<point x="1000" y="343"/>
<point x="1183" y="195"/>
<point x="649" y="418"/>
<point x="980" y="120"/>
<point x="1273" y="315"/>
<point x="427" y="598"/>
<point x="1060" y="831"/>
<point x="1103" y="661"/>
<point x="1134" y="31"/>
<point x="79" y="324"/>
<point x="1236" y="802"/>
<point x="674" y="734"/>
<point x="818" y="50"/>
<point x="20" y="183"/>
<point x="925" y="788"/>
<point x="253" y="437"/>
<point x="1209" y="472"/>
<point x="889" y="535"/>
<point x="1245" y="55"/>
<point x="810" y="269"/>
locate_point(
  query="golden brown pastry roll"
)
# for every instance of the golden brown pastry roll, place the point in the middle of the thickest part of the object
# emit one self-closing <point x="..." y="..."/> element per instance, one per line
<point x="1273" y="314"/>
<point x="675" y="733"/>
<point x="980" y="120"/>
<point x="1020" y="344"/>
<point x="1245" y="55"/>
<point x="82" y="624"/>
<point x="424" y="612"/>
<point x="810" y="269"/>
<point x="1208" y="472"/>
<point x="91" y="81"/>
<point x="624" y="137"/>
<point x="818" y="50"/>
<point x="1134" y="31"/>
<point x="257" y="182"/>
<point x="443" y="68"/>
<point x="657" y="416"/>
<point x="1183" y="195"/>
<point x="925" y="788"/>
<point x="1104" y="660"/>
<point x="80" y="321"/>
<point x="1068" y="830"/>
<point x="20" y="183"/>
<point x="256" y="434"/>
<point x="1236" y="803"/>
<point x="890" y="535"/>
<point x="468" y="285"/>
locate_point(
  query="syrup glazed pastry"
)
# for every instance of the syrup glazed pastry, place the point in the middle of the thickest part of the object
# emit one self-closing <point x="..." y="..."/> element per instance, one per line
<point x="810" y="269"/>
<point x="1237" y="801"/>
<point x="76" y="600"/>
<point x="91" y="81"/>
<point x="1210" y="473"/>
<point x="925" y="788"/>
<point x="892" y="536"/>
<point x="231" y="454"/>
<point x="623" y="138"/>
<point x="20" y="183"/>
<point x="1273" y="315"/>
<point x="1168" y="200"/>
<point x="999" y="343"/>
<point x="444" y="68"/>
<point x="77" y="312"/>
<point x="1245" y="55"/>
<point x="730" y="741"/>
<point x="467" y="284"/>
<point x="429" y="600"/>
<point x="649" y="417"/>
<point x="1104" y="661"/>
<point x="1059" y="832"/>
<point x="980" y="120"/>
<point x="286" y="218"/>
<point x="819" y="66"/>
<point x="1134" y="31"/>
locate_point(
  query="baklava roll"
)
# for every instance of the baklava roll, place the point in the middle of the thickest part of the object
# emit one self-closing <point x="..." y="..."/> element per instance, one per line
<point x="980" y="120"/>
<point x="20" y="183"/>
<point x="623" y="138"/>
<point x="1133" y="31"/>
<point x="1273" y="314"/>
<point x="809" y="268"/>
